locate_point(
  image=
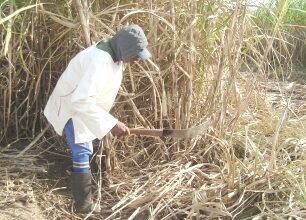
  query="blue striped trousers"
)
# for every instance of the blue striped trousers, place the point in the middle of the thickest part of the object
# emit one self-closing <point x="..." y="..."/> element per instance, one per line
<point x="81" y="152"/>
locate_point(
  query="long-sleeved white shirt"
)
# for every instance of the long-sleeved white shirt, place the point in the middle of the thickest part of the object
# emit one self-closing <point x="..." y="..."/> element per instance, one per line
<point x="86" y="92"/>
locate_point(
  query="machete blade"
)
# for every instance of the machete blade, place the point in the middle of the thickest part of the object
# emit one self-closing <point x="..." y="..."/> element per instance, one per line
<point x="186" y="133"/>
<point x="174" y="133"/>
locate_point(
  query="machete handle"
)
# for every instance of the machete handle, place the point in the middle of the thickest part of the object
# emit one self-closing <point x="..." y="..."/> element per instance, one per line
<point x="147" y="132"/>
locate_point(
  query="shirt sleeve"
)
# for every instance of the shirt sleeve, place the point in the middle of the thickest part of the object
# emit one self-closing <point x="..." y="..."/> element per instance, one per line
<point x="83" y="100"/>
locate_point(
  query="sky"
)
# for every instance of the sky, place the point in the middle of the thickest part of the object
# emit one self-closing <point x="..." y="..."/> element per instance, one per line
<point x="257" y="3"/>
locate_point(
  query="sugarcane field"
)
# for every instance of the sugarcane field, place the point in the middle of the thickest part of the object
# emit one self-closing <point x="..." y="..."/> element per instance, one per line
<point x="153" y="110"/>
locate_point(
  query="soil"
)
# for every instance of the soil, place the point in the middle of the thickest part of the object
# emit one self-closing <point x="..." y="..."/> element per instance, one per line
<point x="53" y="199"/>
<point x="21" y="211"/>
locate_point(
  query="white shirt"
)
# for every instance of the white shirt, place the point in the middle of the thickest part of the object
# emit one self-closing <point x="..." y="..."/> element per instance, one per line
<point x="86" y="92"/>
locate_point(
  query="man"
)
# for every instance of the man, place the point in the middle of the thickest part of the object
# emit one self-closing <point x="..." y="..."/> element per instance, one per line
<point x="80" y="102"/>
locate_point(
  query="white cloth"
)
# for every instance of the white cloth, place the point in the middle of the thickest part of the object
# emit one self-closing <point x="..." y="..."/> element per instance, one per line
<point x="86" y="92"/>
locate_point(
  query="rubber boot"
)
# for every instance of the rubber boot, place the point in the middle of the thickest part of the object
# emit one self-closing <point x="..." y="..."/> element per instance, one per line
<point x="81" y="191"/>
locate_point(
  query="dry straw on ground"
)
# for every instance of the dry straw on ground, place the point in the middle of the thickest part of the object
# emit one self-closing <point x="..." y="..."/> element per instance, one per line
<point x="209" y="59"/>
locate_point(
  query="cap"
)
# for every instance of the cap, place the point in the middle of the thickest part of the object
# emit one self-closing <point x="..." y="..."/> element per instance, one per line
<point x="145" y="54"/>
<point x="129" y="42"/>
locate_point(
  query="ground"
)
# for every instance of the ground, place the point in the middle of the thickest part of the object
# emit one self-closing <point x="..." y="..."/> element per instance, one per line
<point x="33" y="187"/>
<point x="22" y="211"/>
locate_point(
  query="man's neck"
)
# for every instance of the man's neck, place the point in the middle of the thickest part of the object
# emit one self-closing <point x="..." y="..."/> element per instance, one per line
<point x="105" y="46"/>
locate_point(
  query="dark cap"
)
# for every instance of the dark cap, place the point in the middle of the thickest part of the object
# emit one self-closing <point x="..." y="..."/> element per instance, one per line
<point x="130" y="41"/>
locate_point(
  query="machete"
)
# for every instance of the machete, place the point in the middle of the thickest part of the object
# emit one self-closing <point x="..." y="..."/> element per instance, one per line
<point x="173" y="133"/>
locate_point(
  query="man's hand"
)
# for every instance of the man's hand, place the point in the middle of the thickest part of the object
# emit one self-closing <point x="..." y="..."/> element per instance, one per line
<point x="120" y="129"/>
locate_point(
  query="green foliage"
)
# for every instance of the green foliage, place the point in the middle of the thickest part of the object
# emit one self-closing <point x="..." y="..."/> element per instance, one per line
<point x="296" y="13"/>
<point x="288" y="19"/>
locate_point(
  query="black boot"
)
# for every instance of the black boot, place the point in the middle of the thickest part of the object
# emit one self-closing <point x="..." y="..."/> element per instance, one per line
<point x="81" y="191"/>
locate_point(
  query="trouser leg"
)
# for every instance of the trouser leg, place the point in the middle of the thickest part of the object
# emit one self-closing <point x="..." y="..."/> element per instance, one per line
<point x="81" y="176"/>
<point x="81" y="152"/>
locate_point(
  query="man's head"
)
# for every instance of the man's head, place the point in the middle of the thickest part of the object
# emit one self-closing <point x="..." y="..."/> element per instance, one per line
<point x="130" y="43"/>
